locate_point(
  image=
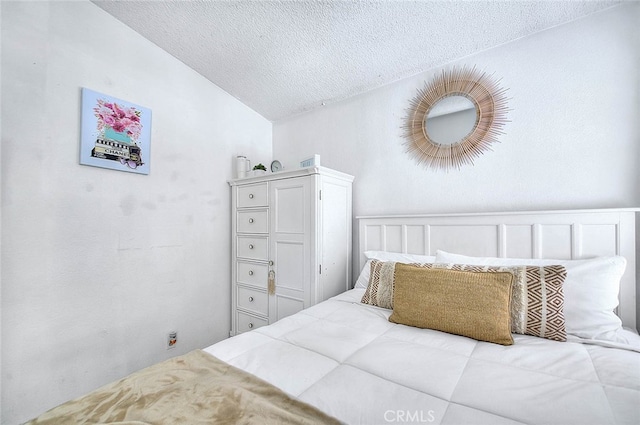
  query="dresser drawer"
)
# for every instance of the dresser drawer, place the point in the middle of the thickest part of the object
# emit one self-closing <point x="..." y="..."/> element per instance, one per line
<point x="253" y="247"/>
<point x="252" y="274"/>
<point x="246" y="322"/>
<point x="252" y="195"/>
<point x="252" y="221"/>
<point x="253" y="300"/>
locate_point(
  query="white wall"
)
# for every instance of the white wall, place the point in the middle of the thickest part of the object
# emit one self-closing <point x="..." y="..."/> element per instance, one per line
<point x="98" y="265"/>
<point x="574" y="139"/>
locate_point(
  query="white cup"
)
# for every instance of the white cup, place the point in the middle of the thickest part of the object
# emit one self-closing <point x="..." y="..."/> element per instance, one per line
<point x="242" y="166"/>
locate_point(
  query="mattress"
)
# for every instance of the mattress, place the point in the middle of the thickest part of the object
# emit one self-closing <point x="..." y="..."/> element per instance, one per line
<point x="348" y="360"/>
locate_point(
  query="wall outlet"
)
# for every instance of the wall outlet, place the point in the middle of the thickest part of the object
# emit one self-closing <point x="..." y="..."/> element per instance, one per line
<point x="172" y="339"/>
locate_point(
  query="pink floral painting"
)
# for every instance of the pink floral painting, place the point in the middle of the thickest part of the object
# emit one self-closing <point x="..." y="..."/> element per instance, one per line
<point x="120" y="118"/>
<point x="115" y="133"/>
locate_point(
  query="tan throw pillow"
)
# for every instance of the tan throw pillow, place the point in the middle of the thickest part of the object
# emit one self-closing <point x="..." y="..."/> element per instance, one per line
<point x="472" y="304"/>
<point x="537" y="300"/>
<point x="379" y="291"/>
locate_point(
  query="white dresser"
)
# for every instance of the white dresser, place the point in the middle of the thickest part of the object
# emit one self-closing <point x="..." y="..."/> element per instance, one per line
<point x="294" y="226"/>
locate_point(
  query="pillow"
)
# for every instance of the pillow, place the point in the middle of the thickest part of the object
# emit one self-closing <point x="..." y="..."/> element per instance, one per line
<point x="363" y="278"/>
<point x="381" y="282"/>
<point x="537" y="298"/>
<point x="590" y="291"/>
<point x="471" y="304"/>
<point x="399" y="257"/>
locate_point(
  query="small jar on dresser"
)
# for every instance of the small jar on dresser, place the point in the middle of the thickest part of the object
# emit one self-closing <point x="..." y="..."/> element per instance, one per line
<point x="291" y="243"/>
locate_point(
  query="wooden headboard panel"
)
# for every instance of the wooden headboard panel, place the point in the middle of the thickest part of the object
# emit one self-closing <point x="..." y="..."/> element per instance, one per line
<point x="571" y="234"/>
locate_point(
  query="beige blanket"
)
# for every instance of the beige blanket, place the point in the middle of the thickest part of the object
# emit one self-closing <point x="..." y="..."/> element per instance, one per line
<point x="196" y="388"/>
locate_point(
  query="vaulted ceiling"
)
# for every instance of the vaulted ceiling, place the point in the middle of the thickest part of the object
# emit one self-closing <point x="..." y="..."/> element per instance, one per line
<point x="282" y="58"/>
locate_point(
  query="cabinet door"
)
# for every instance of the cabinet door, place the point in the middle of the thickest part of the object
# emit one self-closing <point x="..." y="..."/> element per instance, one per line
<point x="290" y="245"/>
<point x="335" y="228"/>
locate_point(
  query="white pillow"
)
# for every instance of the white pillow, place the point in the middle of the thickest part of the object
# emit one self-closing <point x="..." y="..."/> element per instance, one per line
<point x="398" y="257"/>
<point x="363" y="279"/>
<point x="590" y="291"/>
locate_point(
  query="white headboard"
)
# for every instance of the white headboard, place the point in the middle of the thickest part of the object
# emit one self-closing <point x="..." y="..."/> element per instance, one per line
<point x="571" y="234"/>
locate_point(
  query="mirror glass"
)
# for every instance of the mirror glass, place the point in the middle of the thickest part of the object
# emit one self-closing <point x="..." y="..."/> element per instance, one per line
<point x="451" y="120"/>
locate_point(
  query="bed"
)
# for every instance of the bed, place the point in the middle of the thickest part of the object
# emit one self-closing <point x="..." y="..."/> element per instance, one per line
<point x="357" y="363"/>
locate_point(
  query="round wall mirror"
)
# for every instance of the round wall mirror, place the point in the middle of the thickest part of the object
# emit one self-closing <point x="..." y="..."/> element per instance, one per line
<point x="451" y="120"/>
<point x="455" y="118"/>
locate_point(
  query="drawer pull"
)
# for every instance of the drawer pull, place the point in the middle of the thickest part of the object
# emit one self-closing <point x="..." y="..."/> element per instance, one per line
<point x="250" y="325"/>
<point x="251" y="196"/>
<point x="250" y="246"/>
<point x="250" y="299"/>
<point x="250" y="272"/>
<point x="250" y="220"/>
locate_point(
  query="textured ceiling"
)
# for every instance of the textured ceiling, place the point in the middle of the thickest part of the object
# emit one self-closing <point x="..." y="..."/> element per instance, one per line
<point x="282" y="58"/>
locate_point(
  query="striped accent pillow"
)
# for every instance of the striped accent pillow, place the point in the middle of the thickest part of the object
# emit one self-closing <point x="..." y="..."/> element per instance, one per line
<point x="379" y="292"/>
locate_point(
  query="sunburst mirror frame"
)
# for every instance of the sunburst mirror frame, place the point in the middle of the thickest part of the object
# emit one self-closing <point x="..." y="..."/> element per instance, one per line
<point x="491" y="110"/>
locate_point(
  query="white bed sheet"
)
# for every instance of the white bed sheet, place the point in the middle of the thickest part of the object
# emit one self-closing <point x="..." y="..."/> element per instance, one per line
<point x="347" y="359"/>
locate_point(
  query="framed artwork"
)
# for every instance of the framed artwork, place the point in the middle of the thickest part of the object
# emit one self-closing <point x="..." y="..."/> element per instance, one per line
<point x="115" y="134"/>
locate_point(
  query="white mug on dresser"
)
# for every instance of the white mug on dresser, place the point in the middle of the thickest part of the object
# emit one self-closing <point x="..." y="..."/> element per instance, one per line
<point x="242" y="166"/>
